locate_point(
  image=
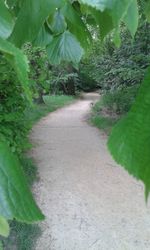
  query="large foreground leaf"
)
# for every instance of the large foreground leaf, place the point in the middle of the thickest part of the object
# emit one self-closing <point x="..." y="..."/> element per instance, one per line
<point x="18" y="61"/>
<point x="119" y="10"/>
<point x="6" y="21"/>
<point x="16" y="200"/>
<point x="76" y="25"/>
<point x="129" y="142"/>
<point x="31" y="18"/>
<point x="64" y="47"/>
<point x="131" y="17"/>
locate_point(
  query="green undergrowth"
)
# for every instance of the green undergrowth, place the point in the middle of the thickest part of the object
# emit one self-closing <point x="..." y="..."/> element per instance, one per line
<point x="112" y="106"/>
<point x="23" y="236"/>
<point x="104" y="123"/>
<point x="102" y="117"/>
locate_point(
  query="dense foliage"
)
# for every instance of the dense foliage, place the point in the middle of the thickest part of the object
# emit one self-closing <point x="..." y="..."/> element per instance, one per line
<point x="13" y="104"/>
<point x="111" y="68"/>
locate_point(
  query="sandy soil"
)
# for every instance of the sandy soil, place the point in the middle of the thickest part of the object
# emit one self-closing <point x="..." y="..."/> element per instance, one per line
<point x="89" y="202"/>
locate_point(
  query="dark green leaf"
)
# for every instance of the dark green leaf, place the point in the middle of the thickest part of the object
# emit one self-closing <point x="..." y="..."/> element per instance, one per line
<point x="16" y="200"/>
<point x="129" y="142"/>
<point x="64" y="47"/>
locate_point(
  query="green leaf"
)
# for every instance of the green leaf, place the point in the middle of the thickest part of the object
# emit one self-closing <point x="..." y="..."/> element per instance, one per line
<point x="58" y="23"/>
<point x="6" y="21"/>
<point x="44" y="37"/>
<point x="119" y="10"/>
<point x="147" y="10"/>
<point x="76" y="25"/>
<point x="99" y="4"/>
<point x="64" y="47"/>
<point x="18" y="61"/>
<point x="129" y="142"/>
<point x="16" y="201"/>
<point x="131" y="18"/>
<point x="103" y="20"/>
<point x="31" y="18"/>
<point x="4" y="227"/>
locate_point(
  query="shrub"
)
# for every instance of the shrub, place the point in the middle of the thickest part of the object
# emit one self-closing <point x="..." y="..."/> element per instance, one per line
<point x="13" y="102"/>
<point x="120" y="100"/>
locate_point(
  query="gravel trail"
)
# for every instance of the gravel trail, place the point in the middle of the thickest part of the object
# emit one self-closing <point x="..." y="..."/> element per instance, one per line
<point x="90" y="203"/>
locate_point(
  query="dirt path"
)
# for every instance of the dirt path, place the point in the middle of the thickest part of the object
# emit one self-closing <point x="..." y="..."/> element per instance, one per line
<point x="89" y="203"/>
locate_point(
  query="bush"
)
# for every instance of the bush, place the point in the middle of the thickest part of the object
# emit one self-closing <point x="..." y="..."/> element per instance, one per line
<point x="13" y="102"/>
<point x="112" y="106"/>
<point x="120" y="101"/>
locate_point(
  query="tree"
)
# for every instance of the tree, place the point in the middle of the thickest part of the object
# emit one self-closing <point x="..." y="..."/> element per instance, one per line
<point x="64" y="28"/>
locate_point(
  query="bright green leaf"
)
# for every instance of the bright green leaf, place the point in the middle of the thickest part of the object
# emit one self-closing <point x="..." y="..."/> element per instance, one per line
<point x="64" y="47"/>
<point x="4" y="227"/>
<point x="129" y="142"/>
<point x="16" y="200"/>
<point x="31" y="18"/>
<point x="131" y="18"/>
<point x="76" y="25"/>
<point x="119" y="10"/>
<point x="6" y="21"/>
<point x="18" y="61"/>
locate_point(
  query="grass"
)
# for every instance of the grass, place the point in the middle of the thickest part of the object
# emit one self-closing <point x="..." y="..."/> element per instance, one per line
<point x="103" y="122"/>
<point x="112" y="106"/>
<point x="23" y="236"/>
<point x="57" y="101"/>
<point x="101" y="118"/>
